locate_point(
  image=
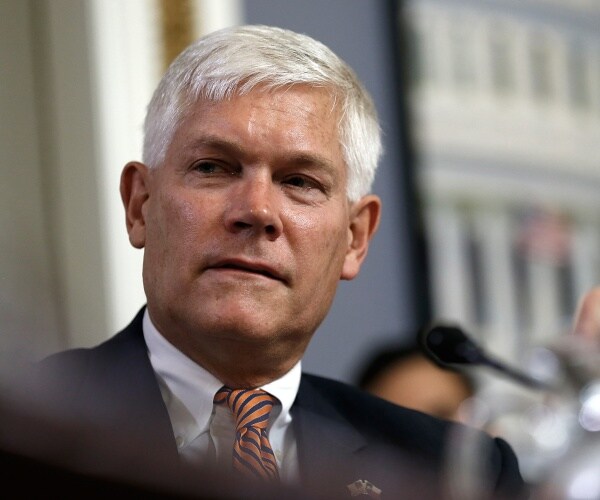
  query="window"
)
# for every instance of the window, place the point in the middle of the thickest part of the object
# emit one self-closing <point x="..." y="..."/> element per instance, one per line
<point x="502" y="63"/>
<point x="463" y="60"/>
<point x="542" y="84"/>
<point x="578" y="77"/>
<point x="416" y="56"/>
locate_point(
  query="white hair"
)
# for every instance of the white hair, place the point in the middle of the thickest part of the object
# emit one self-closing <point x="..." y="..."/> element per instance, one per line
<point x="233" y="61"/>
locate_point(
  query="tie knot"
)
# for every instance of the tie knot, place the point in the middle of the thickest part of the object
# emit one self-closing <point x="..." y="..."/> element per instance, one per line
<point x="250" y="407"/>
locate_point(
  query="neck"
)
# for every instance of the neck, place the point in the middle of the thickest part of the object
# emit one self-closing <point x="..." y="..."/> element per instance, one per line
<point x="246" y="369"/>
<point x="240" y="359"/>
<point x="243" y="364"/>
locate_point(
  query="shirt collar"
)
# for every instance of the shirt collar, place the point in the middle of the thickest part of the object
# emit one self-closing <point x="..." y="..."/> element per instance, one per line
<point x="185" y="380"/>
<point x="195" y="387"/>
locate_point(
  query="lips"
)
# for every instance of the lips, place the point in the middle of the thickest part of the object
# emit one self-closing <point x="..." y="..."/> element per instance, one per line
<point x="249" y="267"/>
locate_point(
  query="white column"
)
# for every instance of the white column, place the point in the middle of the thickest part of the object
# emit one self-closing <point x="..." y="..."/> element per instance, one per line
<point x="211" y="15"/>
<point x="544" y="286"/>
<point x="70" y="166"/>
<point x="501" y="329"/>
<point x="447" y="240"/>
<point x="585" y="256"/>
<point x="125" y="51"/>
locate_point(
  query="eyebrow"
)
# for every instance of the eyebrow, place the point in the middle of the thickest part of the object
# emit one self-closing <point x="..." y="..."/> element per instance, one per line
<point x="304" y="158"/>
<point x="216" y="142"/>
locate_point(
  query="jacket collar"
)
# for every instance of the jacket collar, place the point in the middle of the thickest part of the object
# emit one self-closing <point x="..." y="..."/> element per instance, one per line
<point x="328" y="444"/>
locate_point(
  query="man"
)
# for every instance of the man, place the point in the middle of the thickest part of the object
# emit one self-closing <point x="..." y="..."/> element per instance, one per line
<point x="252" y="202"/>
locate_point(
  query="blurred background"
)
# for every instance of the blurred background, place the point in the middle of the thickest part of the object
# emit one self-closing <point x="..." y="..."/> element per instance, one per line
<point x="491" y="115"/>
<point x="505" y="100"/>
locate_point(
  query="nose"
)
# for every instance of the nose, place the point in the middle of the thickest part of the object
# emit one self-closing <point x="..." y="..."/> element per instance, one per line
<point x="253" y="208"/>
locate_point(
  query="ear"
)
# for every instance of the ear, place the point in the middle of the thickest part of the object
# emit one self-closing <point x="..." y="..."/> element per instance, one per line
<point x="364" y="221"/>
<point x="134" y="193"/>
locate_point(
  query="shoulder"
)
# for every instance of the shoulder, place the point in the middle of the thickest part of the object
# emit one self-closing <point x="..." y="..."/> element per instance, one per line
<point x="81" y="360"/>
<point x="376" y="417"/>
<point x="73" y="375"/>
<point x="348" y="396"/>
<point x="421" y="435"/>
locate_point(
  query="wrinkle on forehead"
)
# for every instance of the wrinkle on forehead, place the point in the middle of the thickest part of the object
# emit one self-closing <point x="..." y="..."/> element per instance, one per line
<point x="290" y="113"/>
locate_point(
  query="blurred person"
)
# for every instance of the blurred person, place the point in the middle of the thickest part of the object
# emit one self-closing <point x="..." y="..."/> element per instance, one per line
<point x="252" y="201"/>
<point x="587" y="316"/>
<point x="404" y="376"/>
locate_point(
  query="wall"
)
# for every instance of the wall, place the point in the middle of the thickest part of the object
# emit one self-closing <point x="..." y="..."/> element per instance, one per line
<point x="29" y="318"/>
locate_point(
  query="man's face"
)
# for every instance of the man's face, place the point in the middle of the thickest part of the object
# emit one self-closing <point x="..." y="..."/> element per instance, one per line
<point x="246" y="225"/>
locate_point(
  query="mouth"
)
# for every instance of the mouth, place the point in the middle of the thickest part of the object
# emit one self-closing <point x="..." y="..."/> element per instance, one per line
<point x="249" y="267"/>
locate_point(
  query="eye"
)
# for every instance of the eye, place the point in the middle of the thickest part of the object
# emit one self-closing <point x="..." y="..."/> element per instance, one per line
<point x="211" y="167"/>
<point x="206" y="167"/>
<point x="305" y="188"/>
<point x="302" y="182"/>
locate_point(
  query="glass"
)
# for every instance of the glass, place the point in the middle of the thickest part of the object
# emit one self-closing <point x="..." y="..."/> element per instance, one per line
<point x="555" y="432"/>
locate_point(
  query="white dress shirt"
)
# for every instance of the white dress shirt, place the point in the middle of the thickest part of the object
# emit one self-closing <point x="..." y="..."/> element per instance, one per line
<point x="204" y="431"/>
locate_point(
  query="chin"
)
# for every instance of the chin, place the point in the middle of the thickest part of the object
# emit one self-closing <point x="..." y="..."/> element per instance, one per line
<point x="240" y="328"/>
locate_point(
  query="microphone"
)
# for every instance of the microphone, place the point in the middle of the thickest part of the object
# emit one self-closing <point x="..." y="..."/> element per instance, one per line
<point x="448" y="345"/>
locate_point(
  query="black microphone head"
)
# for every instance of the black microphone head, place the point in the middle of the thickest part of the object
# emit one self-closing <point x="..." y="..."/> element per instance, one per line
<point x="449" y="345"/>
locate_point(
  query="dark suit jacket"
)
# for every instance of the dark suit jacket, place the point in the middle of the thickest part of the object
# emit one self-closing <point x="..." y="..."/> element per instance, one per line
<point x="108" y="400"/>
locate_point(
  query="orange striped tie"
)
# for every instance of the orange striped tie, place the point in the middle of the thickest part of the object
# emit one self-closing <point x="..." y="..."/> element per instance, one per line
<point x="252" y="452"/>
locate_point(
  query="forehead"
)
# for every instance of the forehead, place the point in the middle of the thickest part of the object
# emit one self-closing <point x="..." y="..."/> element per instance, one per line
<point x="300" y="117"/>
<point x="299" y="102"/>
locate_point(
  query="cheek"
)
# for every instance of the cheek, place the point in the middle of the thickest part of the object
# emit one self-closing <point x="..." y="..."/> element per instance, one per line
<point x="187" y="219"/>
<point x="333" y="222"/>
<point x="174" y="225"/>
<point x="320" y="241"/>
<point x="302" y="220"/>
<point x="178" y="212"/>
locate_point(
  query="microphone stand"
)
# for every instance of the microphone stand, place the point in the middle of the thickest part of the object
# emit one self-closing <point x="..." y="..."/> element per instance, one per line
<point x="448" y="345"/>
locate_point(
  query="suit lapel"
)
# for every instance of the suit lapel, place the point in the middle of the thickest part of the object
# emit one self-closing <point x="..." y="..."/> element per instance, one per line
<point x="135" y="389"/>
<point x="325" y="440"/>
<point x="339" y="458"/>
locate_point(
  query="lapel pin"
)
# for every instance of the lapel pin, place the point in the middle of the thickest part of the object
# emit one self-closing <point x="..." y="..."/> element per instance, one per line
<point x="362" y="487"/>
